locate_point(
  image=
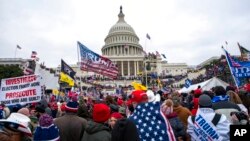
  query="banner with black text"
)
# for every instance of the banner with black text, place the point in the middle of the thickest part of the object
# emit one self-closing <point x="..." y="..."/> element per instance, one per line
<point x="20" y="90"/>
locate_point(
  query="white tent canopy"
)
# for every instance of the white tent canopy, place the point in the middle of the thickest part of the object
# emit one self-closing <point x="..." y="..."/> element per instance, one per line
<point x="206" y="85"/>
<point x="48" y="79"/>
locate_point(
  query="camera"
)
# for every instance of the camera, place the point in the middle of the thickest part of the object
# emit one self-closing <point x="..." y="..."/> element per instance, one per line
<point x="241" y="116"/>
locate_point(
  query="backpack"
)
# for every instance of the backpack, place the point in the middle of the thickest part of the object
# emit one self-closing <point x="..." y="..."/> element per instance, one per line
<point x="215" y="120"/>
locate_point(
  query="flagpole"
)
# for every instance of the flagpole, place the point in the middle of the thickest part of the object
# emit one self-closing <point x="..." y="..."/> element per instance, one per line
<point x="145" y="63"/>
<point x="15" y="52"/>
<point x="79" y="67"/>
<point x="231" y="70"/>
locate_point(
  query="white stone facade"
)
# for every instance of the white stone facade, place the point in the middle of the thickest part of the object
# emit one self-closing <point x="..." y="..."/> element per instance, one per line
<point x="14" y="61"/>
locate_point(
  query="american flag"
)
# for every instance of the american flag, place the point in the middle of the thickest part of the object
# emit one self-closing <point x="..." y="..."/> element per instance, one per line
<point x="33" y="56"/>
<point x="126" y="46"/>
<point x="158" y="54"/>
<point x="151" y="123"/>
<point x="147" y="35"/>
<point x="18" y="47"/>
<point x="29" y="68"/>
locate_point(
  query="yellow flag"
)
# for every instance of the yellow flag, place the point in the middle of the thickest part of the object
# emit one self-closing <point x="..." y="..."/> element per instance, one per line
<point x="55" y="91"/>
<point x="66" y="78"/>
<point x="138" y="86"/>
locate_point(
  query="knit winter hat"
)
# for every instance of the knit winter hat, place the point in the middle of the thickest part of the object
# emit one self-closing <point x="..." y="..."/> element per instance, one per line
<point x="24" y="111"/>
<point x="72" y="106"/>
<point x="205" y="101"/>
<point x="138" y="96"/>
<point x="46" y="129"/>
<point x="116" y="115"/>
<point x="101" y="113"/>
<point x="39" y="108"/>
<point x="119" y="102"/>
<point x="45" y="120"/>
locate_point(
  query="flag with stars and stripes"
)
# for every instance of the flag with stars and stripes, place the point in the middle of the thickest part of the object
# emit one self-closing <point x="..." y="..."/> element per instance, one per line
<point x="151" y="123"/>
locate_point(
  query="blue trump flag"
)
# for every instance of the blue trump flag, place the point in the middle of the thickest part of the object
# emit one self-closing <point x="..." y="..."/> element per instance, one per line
<point x="188" y="83"/>
<point x="239" y="70"/>
<point x="91" y="61"/>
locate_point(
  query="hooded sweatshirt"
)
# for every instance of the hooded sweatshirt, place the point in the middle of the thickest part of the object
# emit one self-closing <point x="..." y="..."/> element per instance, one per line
<point x="96" y="132"/>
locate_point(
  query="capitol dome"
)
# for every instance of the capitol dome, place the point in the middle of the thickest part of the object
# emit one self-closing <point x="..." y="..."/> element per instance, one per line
<point x="122" y="47"/>
<point x="121" y="26"/>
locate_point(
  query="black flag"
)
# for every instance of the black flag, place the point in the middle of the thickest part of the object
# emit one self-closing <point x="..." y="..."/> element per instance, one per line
<point x="67" y="69"/>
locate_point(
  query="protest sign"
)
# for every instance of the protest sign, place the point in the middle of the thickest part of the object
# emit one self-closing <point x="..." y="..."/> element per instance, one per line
<point x="20" y="90"/>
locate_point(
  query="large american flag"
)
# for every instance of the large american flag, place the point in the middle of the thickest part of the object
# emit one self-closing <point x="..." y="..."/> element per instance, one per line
<point x="151" y="123"/>
<point x="93" y="62"/>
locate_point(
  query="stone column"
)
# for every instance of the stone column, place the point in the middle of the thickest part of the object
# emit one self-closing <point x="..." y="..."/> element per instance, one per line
<point x="128" y="68"/>
<point x="135" y="68"/>
<point x="122" y="68"/>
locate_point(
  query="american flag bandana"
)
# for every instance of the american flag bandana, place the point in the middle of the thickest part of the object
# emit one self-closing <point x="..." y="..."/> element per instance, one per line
<point x="151" y="123"/>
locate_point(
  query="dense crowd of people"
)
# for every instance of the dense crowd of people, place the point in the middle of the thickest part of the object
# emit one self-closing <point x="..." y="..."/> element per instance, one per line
<point x="78" y="116"/>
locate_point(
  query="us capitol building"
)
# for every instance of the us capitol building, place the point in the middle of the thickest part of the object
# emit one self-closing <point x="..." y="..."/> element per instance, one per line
<point x="123" y="48"/>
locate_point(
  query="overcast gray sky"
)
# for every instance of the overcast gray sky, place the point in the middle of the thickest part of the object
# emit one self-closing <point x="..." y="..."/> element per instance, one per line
<point x="188" y="31"/>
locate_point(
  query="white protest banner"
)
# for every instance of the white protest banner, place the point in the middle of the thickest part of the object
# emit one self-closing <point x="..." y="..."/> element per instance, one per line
<point x="20" y="90"/>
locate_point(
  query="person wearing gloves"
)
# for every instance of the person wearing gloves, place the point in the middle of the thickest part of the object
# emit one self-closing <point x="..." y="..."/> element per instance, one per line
<point x="213" y="126"/>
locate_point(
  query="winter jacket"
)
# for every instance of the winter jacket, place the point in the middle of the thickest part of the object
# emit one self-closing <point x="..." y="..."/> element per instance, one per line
<point x="71" y="127"/>
<point x="96" y="132"/>
<point x="183" y="114"/>
<point x="226" y="107"/>
<point x="176" y="125"/>
<point x="222" y="127"/>
<point x="195" y="107"/>
<point x="125" y="130"/>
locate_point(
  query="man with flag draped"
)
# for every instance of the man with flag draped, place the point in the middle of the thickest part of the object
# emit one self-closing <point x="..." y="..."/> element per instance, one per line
<point x="151" y="123"/>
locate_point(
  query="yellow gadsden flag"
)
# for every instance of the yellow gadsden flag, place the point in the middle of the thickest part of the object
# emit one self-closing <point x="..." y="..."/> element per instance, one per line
<point x="65" y="78"/>
<point x="138" y="86"/>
